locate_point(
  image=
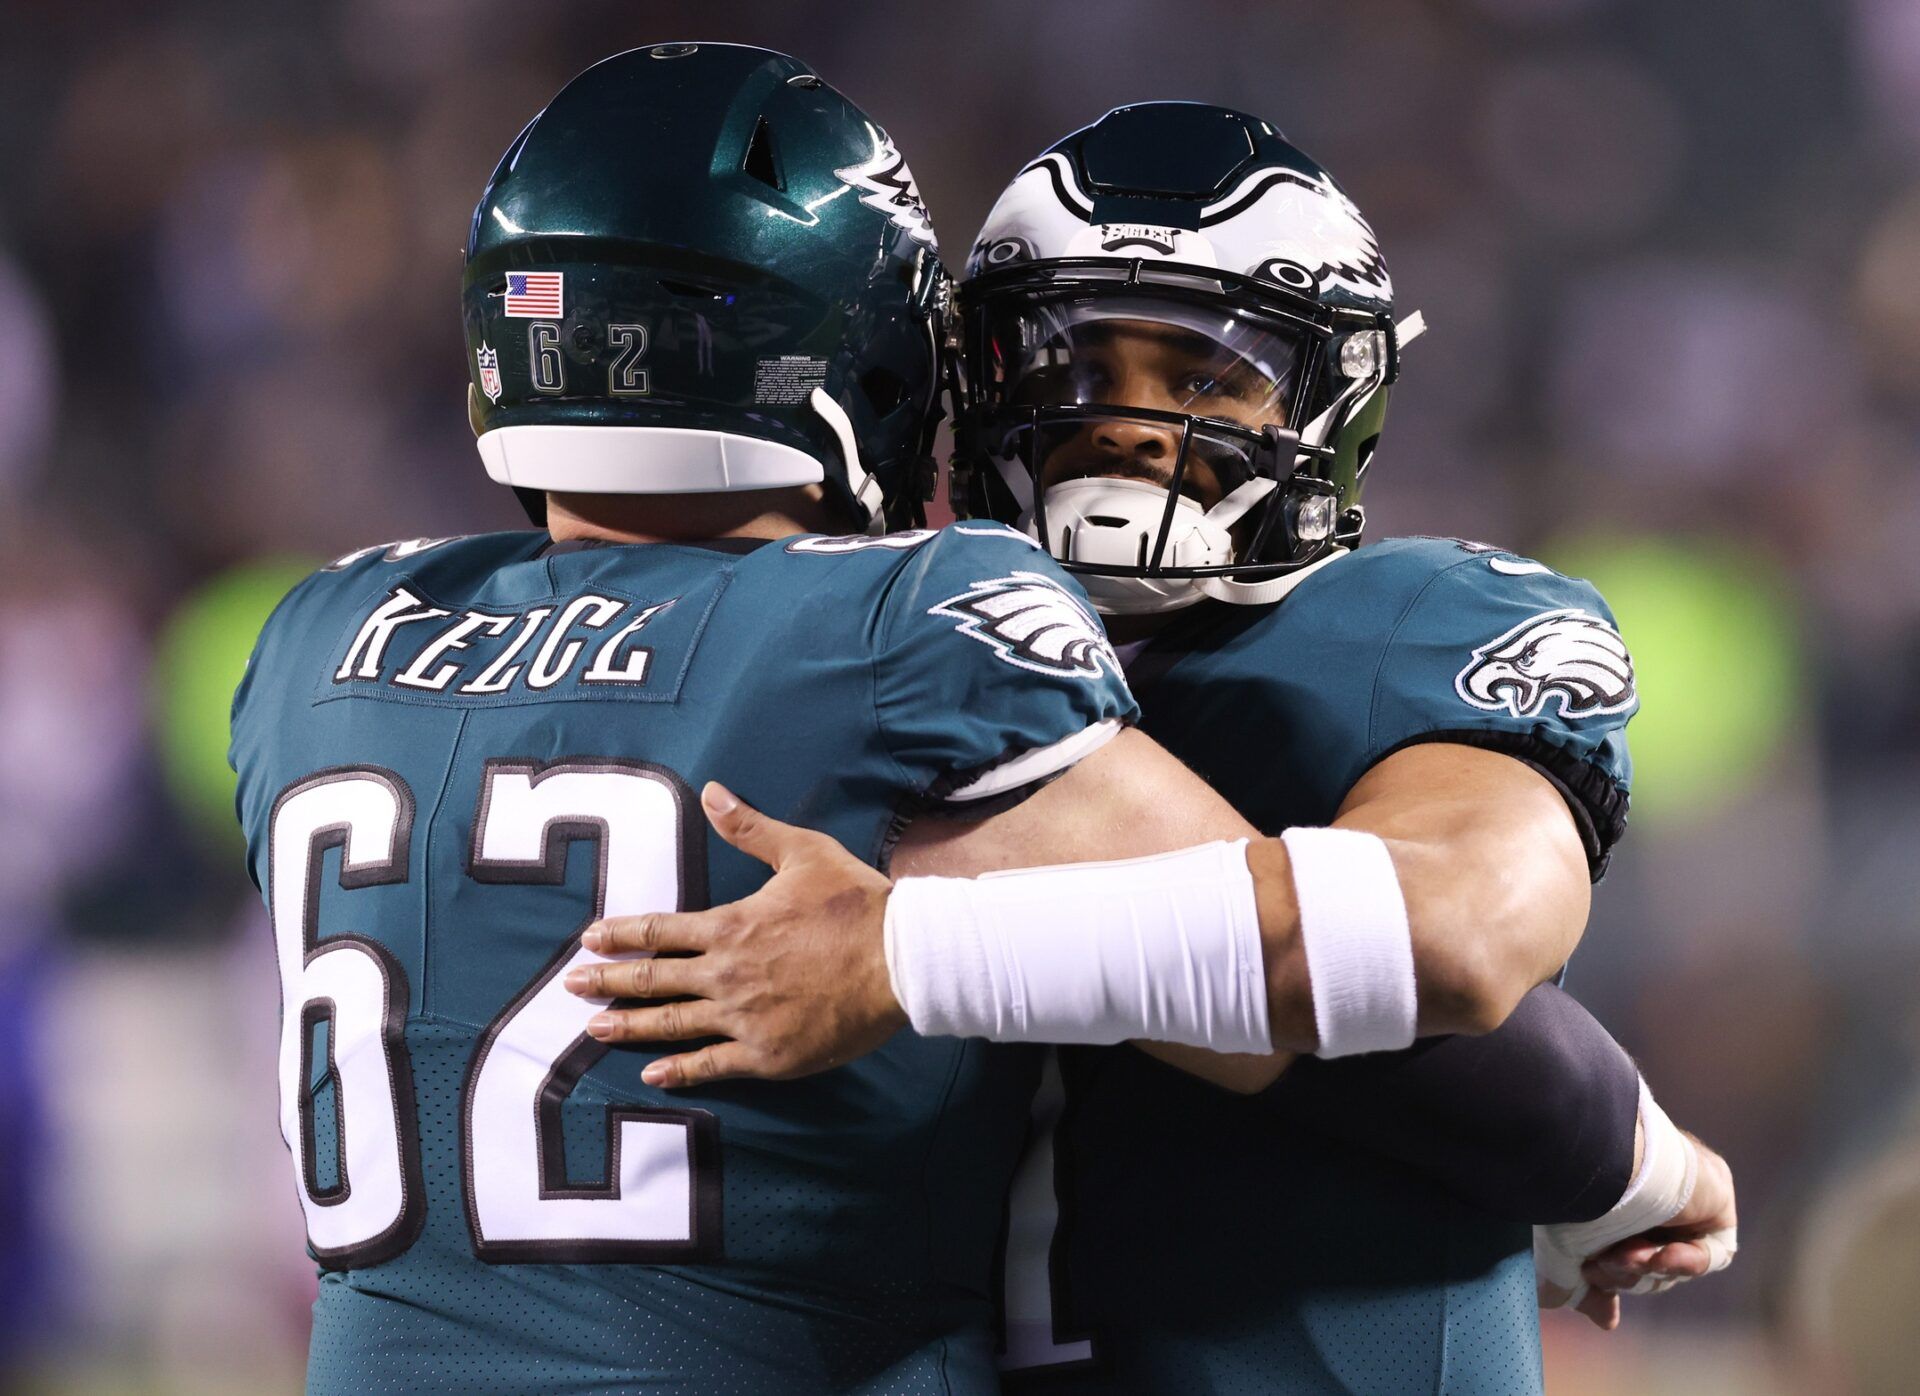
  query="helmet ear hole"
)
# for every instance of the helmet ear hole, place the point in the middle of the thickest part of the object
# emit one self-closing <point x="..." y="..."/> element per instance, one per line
<point x="883" y="389"/>
<point x="1363" y="457"/>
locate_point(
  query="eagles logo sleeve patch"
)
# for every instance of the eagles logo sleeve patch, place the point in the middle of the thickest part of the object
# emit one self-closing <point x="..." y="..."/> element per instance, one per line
<point x="1572" y="658"/>
<point x="1031" y="621"/>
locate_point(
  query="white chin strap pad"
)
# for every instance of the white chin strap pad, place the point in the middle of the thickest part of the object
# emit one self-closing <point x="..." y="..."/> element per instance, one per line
<point x="1115" y="523"/>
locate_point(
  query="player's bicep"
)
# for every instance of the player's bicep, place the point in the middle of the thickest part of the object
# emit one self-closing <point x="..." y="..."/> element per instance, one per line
<point x="1487" y="854"/>
<point x="1439" y="789"/>
<point x="1129" y="799"/>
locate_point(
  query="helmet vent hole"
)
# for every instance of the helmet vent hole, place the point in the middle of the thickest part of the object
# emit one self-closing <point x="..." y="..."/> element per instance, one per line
<point x="759" y="161"/>
<point x="884" y="390"/>
<point x="686" y="290"/>
<point x="1106" y="521"/>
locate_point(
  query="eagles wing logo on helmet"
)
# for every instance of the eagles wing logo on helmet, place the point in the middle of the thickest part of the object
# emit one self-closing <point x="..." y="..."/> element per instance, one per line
<point x="891" y="190"/>
<point x="1572" y="657"/>
<point x="1033" y="622"/>
<point x="1294" y="228"/>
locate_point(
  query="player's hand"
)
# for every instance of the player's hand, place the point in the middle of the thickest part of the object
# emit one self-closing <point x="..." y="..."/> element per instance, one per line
<point x="1698" y="1240"/>
<point x="794" y="976"/>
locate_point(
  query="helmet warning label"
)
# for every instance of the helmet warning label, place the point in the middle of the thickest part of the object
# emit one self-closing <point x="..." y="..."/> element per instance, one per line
<point x="787" y="380"/>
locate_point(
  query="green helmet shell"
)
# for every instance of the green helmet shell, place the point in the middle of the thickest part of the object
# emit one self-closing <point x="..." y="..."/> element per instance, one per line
<point x="701" y="268"/>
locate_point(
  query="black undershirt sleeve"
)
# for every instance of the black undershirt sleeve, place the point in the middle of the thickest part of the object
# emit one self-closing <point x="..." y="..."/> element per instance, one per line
<point x="1533" y="1121"/>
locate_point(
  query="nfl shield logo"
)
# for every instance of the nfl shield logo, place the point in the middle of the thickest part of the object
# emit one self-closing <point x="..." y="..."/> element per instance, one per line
<point x="489" y="361"/>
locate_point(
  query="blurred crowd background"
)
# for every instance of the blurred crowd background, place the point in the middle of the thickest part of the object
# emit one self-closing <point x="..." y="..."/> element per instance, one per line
<point x="1670" y="255"/>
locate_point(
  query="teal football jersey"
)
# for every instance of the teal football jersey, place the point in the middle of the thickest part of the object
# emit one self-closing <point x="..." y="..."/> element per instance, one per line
<point x="1168" y="1236"/>
<point x="455" y="754"/>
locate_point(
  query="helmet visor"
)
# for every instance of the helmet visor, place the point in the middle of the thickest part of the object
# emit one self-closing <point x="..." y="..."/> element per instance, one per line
<point x="1140" y="387"/>
<point x="1142" y="351"/>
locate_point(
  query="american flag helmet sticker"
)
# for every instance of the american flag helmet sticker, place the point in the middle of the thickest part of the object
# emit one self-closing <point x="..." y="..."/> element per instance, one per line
<point x="533" y="295"/>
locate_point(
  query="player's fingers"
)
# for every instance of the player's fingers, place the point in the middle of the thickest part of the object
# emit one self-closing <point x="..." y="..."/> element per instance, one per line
<point x="1676" y="1263"/>
<point x="1601" y="1308"/>
<point x="662" y="930"/>
<point x="668" y="1022"/>
<point x="1615" y="1274"/>
<point x="1684" y="1258"/>
<point x="1649" y="1269"/>
<point x="649" y="978"/>
<point x="747" y="829"/>
<point x="1631" y="1256"/>
<point x="720" y="1061"/>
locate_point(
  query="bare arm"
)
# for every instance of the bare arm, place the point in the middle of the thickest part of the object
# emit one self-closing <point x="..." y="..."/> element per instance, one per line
<point x="1488" y="858"/>
<point x="1130" y="799"/>
<point x="1493" y="871"/>
<point x="1495" y="880"/>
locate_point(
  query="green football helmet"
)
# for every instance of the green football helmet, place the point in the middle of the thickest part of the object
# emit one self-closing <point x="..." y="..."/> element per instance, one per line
<point x="700" y="268"/>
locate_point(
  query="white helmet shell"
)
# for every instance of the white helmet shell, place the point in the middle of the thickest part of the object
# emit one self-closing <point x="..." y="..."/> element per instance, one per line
<point x="1282" y="225"/>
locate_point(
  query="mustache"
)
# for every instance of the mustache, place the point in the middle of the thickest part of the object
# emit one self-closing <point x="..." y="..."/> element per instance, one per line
<point x="1119" y="468"/>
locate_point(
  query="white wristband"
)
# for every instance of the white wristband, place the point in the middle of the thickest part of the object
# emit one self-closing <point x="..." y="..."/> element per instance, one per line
<point x="1659" y="1191"/>
<point x="1165" y="949"/>
<point x="1358" y="945"/>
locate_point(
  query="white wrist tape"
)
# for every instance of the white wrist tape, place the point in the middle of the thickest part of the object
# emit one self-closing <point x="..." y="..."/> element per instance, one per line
<point x="1660" y="1191"/>
<point x="1359" y="948"/>
<point x="1166" y="949"/>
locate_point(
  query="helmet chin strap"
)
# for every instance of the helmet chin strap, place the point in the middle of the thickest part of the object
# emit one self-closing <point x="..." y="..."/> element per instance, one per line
<point x="1013" y="473"/>
<point x="1266" y="591"/>
<point x="1227" y="513"/>
<point x="864" y="486"/>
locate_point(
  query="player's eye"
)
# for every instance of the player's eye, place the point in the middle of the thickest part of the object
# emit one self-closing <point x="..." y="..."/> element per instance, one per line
<point x="1091" y="381"/>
